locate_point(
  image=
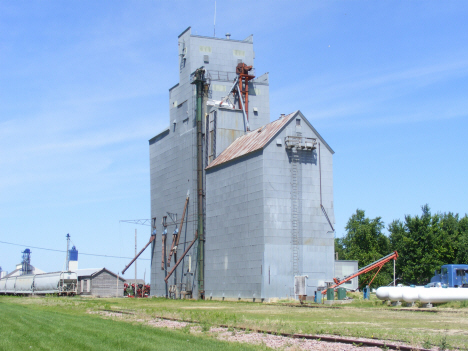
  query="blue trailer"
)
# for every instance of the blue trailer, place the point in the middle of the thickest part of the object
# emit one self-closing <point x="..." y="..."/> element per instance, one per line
<point x="452" y="275"/>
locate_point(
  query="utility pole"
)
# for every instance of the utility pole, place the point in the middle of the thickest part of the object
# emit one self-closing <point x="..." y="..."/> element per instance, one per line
<point x="67" y="266"/>
<point x="117" y="287"/>
<point x="136" y="288"/>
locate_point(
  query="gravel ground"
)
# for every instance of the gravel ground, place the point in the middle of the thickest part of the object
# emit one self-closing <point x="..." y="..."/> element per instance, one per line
<point x="271" y="341"/>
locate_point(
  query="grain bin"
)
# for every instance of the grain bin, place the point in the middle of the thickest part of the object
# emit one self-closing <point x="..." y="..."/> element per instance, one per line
<point x="341" y="292"/>
<point x="330" y="294"/>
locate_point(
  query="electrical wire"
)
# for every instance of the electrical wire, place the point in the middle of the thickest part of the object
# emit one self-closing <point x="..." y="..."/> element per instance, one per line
<point x="81" y="253"/>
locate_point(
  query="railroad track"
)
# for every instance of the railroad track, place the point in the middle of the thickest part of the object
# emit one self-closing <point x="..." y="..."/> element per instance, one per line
<point x="376" y="308"/>
<point x="325" y="338"/>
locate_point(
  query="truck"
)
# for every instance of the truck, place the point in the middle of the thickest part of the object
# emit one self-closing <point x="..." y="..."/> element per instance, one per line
<point x="451" y="275"/>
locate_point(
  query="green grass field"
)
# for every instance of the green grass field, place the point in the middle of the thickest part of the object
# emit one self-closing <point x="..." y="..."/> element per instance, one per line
<point x="27" y="325"/>
<point x="53" y="323"/>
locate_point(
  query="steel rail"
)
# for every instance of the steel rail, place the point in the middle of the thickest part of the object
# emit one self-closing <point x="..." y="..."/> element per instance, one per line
<point x="325" y="338"/>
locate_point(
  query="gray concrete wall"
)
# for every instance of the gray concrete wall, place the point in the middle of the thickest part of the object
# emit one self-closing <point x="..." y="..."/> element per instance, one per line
<point x="234" y="236"/>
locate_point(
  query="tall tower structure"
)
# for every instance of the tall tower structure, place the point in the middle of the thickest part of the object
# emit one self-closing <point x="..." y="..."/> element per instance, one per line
<point x="73" y="259"/>
<point x="249" y="201"/>
<point x="173" y="152"/>
<point x="26" y="262"/>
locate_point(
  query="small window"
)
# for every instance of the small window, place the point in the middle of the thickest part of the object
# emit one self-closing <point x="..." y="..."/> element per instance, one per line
<point x="444" y="270"/>
<point x="461" y="272"/>
<point x="298" y="122"/>
<point x="206" y="59"/>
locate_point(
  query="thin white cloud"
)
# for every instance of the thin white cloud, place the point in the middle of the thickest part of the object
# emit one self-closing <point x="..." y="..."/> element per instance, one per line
<point x="370" y="96"/>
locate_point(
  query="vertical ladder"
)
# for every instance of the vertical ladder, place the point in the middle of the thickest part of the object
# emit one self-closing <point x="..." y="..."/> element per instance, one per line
<point x="295" y="211"/>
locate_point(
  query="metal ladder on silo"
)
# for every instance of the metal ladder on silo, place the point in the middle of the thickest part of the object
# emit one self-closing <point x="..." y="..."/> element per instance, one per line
<point x="295" y="211"/>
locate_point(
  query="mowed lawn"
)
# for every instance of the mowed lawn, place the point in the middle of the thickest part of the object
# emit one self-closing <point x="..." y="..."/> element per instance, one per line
<point x="75" y="323"/>
<point x="39" y="327"/>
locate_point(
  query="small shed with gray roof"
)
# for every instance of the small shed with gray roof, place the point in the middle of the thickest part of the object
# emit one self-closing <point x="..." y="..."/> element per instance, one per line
<point x="99" y="282"/>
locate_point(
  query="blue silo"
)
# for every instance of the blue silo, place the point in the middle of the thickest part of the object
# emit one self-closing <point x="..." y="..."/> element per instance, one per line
<point x="73" y="259"/>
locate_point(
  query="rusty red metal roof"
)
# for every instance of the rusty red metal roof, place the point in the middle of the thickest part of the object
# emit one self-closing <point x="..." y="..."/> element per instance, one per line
<point x="252" y="141"/>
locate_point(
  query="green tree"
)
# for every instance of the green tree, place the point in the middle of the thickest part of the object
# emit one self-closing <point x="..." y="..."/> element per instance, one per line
<point x="426" y="242"/>
<point x="462" y="251"/>
<point x="339" y="248"/>
<point x="365" y="242"/>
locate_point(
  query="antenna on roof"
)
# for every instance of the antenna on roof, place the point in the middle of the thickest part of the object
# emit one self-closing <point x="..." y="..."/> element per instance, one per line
<point x="214" y="23"/>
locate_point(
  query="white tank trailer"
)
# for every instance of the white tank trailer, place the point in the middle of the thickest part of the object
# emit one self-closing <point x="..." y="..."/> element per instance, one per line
<point x="424" y="294"/>
<point x="60" y="283"/>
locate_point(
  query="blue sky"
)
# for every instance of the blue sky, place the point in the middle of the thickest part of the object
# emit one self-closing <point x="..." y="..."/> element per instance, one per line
<point x="84" y="86"/>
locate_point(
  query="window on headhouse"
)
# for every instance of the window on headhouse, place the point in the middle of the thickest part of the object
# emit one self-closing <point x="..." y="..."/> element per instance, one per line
<point x="298" y="122"/>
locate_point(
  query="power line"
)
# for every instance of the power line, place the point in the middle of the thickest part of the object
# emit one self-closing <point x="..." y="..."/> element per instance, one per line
<point x="81" y="253"/>
<point x="137" y="221"/>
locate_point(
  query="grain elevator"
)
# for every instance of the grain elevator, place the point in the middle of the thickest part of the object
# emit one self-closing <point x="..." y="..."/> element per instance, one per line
<point x="243" y="204"/>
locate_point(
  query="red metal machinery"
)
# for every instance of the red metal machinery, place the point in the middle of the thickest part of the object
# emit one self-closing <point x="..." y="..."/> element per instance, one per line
<point x="242" y="71"/>
<point x="377" y="264"/>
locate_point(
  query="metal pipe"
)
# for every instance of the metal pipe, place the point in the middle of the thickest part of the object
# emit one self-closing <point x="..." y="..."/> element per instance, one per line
<point x="181" y="258"/>
<point x="175" y="240"/>
<point x="153" y="236"/>
<point x="199" y="81"/>
<point x="321" y="205"/>
<point x="379" y="263"/>
<point x="182" y="220"/>
<point x="246" y="121"/>
<point x="164" y="255"/>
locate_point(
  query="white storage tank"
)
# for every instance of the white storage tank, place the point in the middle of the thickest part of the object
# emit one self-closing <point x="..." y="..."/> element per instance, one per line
<point x="10" y="285"/>
<point x="382" y="293"/>
<point x="24" y="283"/>
<point x="440" y="295"/>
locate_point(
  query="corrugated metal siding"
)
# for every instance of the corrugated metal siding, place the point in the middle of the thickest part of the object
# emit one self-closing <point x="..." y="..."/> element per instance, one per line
<point x="252" y="141"/>
<point x="105" y="284"/>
